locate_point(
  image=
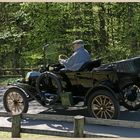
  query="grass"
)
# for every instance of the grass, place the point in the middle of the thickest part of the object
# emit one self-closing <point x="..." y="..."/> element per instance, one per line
<point x="24" y="135"/>
<point x="5" y="81"/>
<point x="8" y="135"/>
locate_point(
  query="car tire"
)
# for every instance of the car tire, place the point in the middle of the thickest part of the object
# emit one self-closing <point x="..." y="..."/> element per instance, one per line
<point x="15" y="101"/>
<point x="41" y="82"/>
<point x="132" y="103"/>
<point x="102" y="104"/>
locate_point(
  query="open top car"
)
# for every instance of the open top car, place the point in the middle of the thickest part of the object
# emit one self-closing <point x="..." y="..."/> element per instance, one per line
<point x="102" y="88"/>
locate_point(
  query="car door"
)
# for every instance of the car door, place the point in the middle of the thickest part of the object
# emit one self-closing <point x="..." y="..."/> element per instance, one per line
<point x="84" y="79"/>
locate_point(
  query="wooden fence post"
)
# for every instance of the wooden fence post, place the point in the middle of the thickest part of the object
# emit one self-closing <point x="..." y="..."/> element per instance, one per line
<point x="16" y="125"/>
<point x="79" y="122"/>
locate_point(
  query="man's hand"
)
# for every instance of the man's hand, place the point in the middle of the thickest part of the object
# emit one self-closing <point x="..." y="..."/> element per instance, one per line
<point x="62" y="56"/>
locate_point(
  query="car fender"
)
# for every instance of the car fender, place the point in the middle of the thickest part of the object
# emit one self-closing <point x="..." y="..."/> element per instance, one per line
<point x="19" y="88"/>
<point x="100" y="87"/>
<point x="125" y="81"/>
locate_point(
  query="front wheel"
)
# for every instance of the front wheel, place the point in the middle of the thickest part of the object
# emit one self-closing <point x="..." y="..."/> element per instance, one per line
<point x="102" y="104"/>
<point x="15" y="101"/>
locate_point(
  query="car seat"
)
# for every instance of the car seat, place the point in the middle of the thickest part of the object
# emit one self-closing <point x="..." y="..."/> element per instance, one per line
<point x="88" y="66"/>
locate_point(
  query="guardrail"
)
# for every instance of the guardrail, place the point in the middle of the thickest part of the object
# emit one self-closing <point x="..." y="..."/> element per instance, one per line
<point x="78" y="130"/>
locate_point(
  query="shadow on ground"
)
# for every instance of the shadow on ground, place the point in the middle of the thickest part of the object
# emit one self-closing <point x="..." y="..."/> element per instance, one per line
<point x="97" y="129"/>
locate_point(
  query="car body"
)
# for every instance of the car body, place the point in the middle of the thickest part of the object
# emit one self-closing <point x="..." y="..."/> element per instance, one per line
<point x="102" y="88"/>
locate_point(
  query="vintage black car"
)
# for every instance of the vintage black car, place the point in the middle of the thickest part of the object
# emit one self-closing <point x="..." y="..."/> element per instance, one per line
<point x="102" y="88"/>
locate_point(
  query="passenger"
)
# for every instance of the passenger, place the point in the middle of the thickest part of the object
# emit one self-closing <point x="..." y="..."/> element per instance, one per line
<point x="77" y="59"/>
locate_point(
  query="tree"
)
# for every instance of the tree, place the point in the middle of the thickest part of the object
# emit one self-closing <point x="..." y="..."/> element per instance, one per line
<point x="109" y="30"/>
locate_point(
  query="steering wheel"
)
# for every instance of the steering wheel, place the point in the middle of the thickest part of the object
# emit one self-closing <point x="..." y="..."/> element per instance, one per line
<point x="62" y="56"/>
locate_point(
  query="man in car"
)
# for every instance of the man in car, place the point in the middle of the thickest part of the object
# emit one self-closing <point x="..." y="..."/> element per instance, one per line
<point x="77" y="59"/>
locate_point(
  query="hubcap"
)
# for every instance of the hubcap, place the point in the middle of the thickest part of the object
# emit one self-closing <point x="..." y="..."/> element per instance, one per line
<point x="103" y="107"/>
<point x="15" y="102"/>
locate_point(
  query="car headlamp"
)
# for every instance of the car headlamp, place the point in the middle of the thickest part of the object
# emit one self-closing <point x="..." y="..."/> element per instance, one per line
<point x="27" y="77"/>
<point x="32" y="75"/>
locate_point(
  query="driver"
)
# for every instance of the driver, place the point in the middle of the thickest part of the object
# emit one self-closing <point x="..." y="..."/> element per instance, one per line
<point x="77" y="59"/>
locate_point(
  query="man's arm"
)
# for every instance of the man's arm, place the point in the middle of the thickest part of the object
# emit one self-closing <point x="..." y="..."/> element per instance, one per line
<point x="68" y="63"/>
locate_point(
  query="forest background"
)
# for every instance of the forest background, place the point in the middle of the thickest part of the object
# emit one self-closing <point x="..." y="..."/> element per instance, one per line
<point x="111" y="31"/>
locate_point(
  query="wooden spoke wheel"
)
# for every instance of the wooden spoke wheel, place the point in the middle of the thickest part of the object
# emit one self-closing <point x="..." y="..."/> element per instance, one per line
<point x="15" y="101"/>
<point x="102" y="104"/>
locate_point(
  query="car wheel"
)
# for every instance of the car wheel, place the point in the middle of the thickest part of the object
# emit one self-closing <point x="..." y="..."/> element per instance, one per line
<point x="49" y="87"/>
<point x="15" y="101"/>
<point x="102" y="104"/>
<point x="131" y="96"/>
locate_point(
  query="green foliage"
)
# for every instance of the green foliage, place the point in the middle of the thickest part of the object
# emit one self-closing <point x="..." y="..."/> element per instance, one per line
<point x="6" y="81"/>
<point x="110" y="31"/>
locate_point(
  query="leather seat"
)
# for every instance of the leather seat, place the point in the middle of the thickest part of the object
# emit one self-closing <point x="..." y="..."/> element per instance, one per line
<point x="88" y="66"/>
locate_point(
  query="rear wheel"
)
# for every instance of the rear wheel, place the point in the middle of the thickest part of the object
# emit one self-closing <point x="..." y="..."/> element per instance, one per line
<point x="15" y="101"/>
<point x="102" y="104"/>
<point x="131" y="96"/>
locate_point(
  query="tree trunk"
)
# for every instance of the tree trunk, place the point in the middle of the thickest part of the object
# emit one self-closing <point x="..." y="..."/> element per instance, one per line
<point x="102" y="22"/>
